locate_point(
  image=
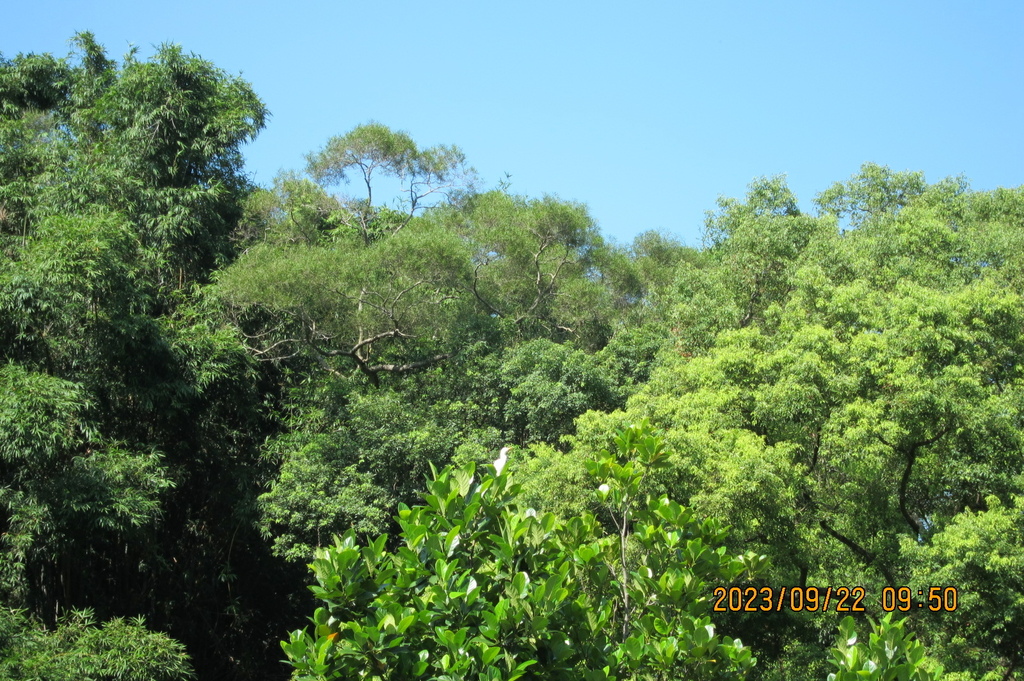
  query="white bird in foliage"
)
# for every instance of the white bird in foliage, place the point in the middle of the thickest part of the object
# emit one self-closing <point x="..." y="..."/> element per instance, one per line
<point x="502" y="459"/>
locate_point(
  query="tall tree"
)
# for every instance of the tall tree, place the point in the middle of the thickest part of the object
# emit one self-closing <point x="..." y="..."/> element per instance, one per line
<point x="373" y="150"/>
<point x="873" y="402"/>
<point x="156" y="141"/>
<point x="131" y="465"/>
<point x="387" y="301"/>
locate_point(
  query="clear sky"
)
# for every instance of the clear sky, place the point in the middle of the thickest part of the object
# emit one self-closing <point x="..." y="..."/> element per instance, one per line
<point x="646" y="112"/>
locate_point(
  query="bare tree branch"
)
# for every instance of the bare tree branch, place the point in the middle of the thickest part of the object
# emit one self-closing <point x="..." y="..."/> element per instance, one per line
<point x="399" y="368"/>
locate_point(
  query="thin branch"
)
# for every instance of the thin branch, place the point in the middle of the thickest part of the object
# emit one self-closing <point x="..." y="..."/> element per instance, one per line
<point x="915" y="527"/>
<point x="411" y="365"/>
<point x="867" y="556"/>
<point x="815" y="450"/>
<point x="271" y="347"/>
<point x="393" y="333"/>
<point x="476" y="292"/>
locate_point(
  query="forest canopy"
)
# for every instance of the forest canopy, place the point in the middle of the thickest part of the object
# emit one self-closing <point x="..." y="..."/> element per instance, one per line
<point x="208" y="387"/>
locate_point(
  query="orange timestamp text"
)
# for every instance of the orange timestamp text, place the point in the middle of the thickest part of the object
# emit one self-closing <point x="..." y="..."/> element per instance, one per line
<point x="840" y="599"/>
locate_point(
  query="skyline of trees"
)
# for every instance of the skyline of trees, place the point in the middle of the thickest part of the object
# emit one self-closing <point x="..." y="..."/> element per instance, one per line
<point x="203" y="382"/>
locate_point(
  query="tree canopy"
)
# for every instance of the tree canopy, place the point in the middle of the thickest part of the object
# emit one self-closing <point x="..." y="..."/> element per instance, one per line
<point x="206" y="385"/>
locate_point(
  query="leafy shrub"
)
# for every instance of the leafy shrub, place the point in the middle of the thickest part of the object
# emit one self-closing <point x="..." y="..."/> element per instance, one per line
<point x="889" y="654"/>
<point x="484" y="589"/>
<point x="79" y="650"/>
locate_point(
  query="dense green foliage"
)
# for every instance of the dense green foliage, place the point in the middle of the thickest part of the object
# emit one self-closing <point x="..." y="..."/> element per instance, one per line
<point x="889" y="654"/>
<point x="79" y="649"/>
<point x="131" y="415"/>
<point x="204" y="385"/>
<point x="485" y="589"/>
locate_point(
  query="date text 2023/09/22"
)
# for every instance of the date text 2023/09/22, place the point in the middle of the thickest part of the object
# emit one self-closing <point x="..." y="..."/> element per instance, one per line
<point x="837" y="598"/>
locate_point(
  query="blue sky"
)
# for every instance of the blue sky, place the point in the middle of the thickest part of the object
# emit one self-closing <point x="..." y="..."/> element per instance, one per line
<point x="645" y="112"/>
